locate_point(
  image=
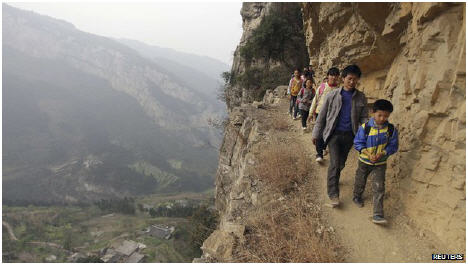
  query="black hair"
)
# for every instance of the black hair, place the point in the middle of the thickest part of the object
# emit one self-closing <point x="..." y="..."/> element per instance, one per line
<point x="333" y="71"/>
<point x="383" y="105"/>
<point x="311" y="80"/>
<point x="297" y="69"/>
<point x="351" y="69"/>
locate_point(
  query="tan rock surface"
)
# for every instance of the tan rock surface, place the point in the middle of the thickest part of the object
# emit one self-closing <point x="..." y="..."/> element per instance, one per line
<point x="414" y="55"/>
<point x="410" y="53"/>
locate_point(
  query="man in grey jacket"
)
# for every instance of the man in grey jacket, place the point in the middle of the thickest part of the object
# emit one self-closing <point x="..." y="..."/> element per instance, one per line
<point x="343" y="111"/>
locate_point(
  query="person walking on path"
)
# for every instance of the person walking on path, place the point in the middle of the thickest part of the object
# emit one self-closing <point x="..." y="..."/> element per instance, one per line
<point x="308" y="74"/>
<point x="333" y="75"/>
<point x="311" y="74"/>
<point x="343" y="111"/>
<point x="293" y="89"/>
<point x="305" y="97"/>
<point x="375" y="140"/>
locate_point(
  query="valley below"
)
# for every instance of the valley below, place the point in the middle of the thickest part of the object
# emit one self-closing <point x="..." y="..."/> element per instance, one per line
<point x="162" y="228"/>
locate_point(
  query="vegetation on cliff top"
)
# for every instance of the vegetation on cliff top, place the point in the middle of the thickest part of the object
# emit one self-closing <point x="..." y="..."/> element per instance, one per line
<point x="279" y="31"/>
<point x="275" y="47"/>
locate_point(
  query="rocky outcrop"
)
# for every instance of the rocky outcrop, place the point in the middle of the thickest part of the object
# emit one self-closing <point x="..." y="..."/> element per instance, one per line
<point x="414" y="55"/>
<point x="252" y="16"/>
<point x="238" y="189"/>
<point x="410" y="53"/>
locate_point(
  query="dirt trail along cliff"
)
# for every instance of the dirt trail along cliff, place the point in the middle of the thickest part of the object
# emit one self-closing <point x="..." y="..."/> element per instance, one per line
<point x="412" y="54"/>
<point x="362" y="240"/>
<point x="348" y="231"/>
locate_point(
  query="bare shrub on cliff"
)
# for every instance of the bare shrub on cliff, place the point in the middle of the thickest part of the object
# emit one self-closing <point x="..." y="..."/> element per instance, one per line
<point x="287" y="231"/>
<point x="283" y="166"/>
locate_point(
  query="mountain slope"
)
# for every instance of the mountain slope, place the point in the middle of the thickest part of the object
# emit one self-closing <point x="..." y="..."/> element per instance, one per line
<point x="203" y="76"/>
<point x="80" y="111"/>
<point x="206" y="65"/>
<point x="281" y="216"/>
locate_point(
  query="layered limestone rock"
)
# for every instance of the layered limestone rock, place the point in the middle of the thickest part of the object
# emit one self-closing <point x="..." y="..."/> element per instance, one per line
<point x="412" y="54"/>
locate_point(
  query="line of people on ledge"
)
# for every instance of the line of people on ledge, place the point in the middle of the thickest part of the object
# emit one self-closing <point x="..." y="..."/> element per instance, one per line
<point x="340" y="117"/>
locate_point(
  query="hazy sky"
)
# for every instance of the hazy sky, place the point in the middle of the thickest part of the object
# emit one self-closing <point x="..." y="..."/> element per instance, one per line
<point x="212" y="29"/>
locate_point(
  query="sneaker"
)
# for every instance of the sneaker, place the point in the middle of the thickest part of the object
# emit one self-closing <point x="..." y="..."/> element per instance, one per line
<point x="333" y="202"/>
<point x="319" y="159"/>
<point x="379" y="219"/>
<point x="304" y="128"/>
<point x="358" y="201"/>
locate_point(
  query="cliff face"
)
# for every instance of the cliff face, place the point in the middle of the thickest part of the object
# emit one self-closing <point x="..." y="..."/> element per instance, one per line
<point x="410" y="53"/>
<point x="414" y="55"/>
<point x="240" y="192"/>
<point x="253" y="14"/>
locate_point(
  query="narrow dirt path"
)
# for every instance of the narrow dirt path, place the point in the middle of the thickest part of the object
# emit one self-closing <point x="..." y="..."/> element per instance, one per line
<point x="10" y="231"/>
<point x="362" y="240"/>
<point x="13" y="237"/>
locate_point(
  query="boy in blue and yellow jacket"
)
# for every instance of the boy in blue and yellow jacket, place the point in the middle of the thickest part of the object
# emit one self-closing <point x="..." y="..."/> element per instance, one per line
<point x="375" y="140"/>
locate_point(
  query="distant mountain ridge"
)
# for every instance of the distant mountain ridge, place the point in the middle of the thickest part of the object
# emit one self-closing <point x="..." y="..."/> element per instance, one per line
<point x="204" y="64"/>
<point x="95" y="108"/>
<point x="204" y="78"/>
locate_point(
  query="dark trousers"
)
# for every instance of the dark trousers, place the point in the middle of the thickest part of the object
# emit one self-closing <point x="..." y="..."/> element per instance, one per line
<point x="304" y="116"/>
<point x="378" y="184"/>
<point x="320" y="146"/>
<point x="293" y="105"/>
<point x="339" y="145"/>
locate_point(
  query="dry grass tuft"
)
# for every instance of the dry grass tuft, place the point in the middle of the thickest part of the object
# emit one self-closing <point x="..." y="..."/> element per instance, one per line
<point x="286" y="229"/>
<point x="283" y="166"/>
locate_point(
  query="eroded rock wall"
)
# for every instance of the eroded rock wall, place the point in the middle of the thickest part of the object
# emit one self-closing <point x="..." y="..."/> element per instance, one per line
<point x="238" y="189"/>
<point x="414" y="55"/>
<point x="253" y="13"/>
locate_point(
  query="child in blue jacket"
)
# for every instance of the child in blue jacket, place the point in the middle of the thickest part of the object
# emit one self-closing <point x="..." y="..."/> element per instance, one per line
<point x="375" y="140"/>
